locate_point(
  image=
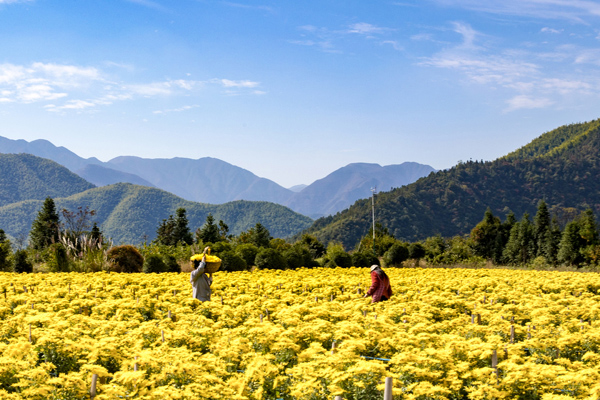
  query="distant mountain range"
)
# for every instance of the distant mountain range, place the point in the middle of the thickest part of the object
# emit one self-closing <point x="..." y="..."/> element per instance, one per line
<point x="126" y="213"/>
<point x="210" y="180"/>
<point x="561" y="167"/>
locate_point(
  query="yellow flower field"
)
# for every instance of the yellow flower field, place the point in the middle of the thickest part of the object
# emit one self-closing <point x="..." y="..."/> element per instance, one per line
<point x="304" y="334"/>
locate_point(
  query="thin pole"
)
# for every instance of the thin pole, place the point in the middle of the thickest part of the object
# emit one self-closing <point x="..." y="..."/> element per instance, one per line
<point x="374" y="189"/>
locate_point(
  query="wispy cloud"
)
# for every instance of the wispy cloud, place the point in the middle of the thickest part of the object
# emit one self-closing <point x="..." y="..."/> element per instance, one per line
<point x="574" y="10"/>
<point x="551" y="30"/>
<point x="80" y="88"/>
<point x="330" y="40"/>
<point x="532" y="78"/>
<point x="176" y="110"/>
<point x="248" y="6"/>
<point x="527" y="102"/>
<point x="364" y="28"/>
<point x="149" y="4"/>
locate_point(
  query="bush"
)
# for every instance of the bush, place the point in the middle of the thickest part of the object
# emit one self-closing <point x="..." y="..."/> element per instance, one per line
<point x="231" y="261"/>
<point x="57" y="258"/>
<point x="5" y="259"/>
<point x="171" y="264"/>
<point x="395" y="255"/>
<point x="22" y="264"/>
<point x="125" y="258"/>
<point x="363" y="259"/>
<point x="337" y="255"/>
<point x="154" y="264"/>
<point x="416" y="251"/>
<point x="268" y="258"/>
<point x="248" y="252"/>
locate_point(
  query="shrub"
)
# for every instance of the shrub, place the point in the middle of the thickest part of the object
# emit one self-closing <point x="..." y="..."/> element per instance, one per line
<point x="125" y="258"/>
<point x="248" y="252"/>
<point x="268" y="258"/>
<point x="336" y="254"/>
<point x="171" y="264"/>
<point x="154" y="264"/>
<point x="395" y="255"/>
<point x="22" y="264"/>
<point x="57" y="258"/>
<point x="5" y="259"/>
<point x="231" y="261"/>
<point x="363" y="259"/>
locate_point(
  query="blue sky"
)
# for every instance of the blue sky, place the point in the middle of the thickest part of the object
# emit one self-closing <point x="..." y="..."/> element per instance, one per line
<point x="295" y="90"/>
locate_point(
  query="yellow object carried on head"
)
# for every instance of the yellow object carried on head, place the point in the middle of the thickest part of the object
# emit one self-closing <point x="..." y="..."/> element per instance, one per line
<point x="213" y="263"/>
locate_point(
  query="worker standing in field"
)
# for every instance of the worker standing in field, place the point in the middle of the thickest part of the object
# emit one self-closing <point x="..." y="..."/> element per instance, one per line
<point x="200" y="281"/>
<point x="380" y="289"/>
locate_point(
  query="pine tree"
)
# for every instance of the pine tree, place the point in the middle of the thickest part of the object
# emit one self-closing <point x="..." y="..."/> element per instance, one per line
<point x="181" y="231"/>
<point x="164" y="232"/>
<point x="5" y="253"/>
<point x="520" y="248"/>
<point x="485" y="235"/>
<point x="570" y="245"/>
<point x="541" y="231"/>
<point x="260" y="236"/>
<point x="209" y="233"/>
<point x="45" y="227"/>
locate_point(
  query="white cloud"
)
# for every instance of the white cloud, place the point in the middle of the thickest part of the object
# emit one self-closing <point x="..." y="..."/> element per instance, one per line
<point x="526" y="102"/>
<point x="238" y="84"/>
<point x="575" y="10"/>
<point x="172" y="110"/>
<point x="364" y="28"/>
<point x="532" y="80"/>
<point x="551" y="30"/>
<point x="86" y="87"/>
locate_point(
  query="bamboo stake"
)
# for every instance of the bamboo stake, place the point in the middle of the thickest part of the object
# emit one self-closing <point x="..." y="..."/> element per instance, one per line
<point x="30" y="339"/>
<point x="162" y="335"/>
<point x="93" y="389"/>
<point x="333" y="348"/>
<point x="512" y="334"/>
<point x="389" y="384"/>
<point x="495" y="362"/>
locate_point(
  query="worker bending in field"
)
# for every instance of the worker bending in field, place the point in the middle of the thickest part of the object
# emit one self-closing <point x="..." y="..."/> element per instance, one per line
<point x="200" y="281"/>
<point x="380" y="289"/>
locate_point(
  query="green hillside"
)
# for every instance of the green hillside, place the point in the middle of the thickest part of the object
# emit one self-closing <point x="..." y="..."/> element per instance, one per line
<point x="555" y="141"/>
<point x="26" y="177"/>
<point x="130" y="213"/>
<point x="560" y="167"/>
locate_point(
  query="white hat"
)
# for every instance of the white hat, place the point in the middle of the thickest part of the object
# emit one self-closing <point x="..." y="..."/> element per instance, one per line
<point x="374" y="267"/>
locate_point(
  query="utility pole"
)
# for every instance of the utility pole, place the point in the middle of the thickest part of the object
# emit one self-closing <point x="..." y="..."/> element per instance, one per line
<point x="373" y="190"/>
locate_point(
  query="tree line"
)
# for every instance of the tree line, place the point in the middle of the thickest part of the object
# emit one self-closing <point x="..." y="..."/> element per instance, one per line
<point x="61" y="241"/>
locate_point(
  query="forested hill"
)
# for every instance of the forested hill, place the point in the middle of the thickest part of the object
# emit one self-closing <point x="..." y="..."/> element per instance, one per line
<point x="131" y="214"/>
<point x="560" y="167"/>
<point x="25" y="177"/>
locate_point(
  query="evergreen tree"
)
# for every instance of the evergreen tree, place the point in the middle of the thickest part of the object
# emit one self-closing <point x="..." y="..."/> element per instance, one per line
<point x="96" y="234"/>
<point x="165" y="230"/>
<point x="570" y="245"/>
<point x="260" y="236"/>
<point x="181" y="230"/>
<point x="520" y="248"/>
<point x="5" y="253"/>
<point x="45" y="228"/>
<point x="209" y="233"/>
<point x="588" y="229"/>
<point x="485" y="235"/>
<point x="541" y="231"/>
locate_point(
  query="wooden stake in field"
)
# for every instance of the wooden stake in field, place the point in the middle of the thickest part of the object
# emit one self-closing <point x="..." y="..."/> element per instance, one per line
<point x="512" y="334"/>
<point x="389" y="385"/>
<point x="495" y="362"/>
<point x="93" y="389"/>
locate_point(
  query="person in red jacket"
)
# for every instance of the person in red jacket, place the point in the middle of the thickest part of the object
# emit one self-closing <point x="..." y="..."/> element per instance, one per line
<point x="380" y="289"/>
